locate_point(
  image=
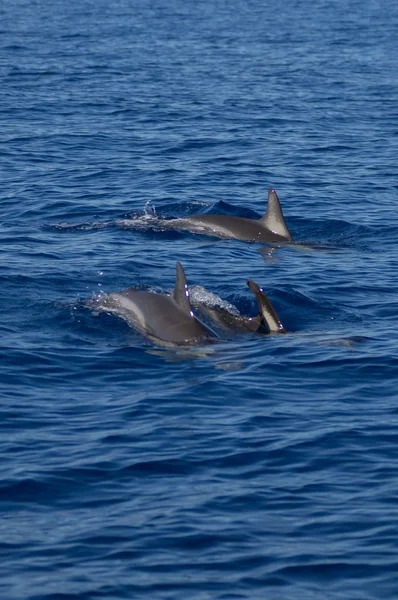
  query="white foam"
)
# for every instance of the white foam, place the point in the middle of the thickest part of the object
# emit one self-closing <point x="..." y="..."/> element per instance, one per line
<point x="140" y="222"/>
<point x="200" y="296"/>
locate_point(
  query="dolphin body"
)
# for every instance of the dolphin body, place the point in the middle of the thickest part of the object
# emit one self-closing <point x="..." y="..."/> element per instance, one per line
<point x="167" y="320"/>
<point x="266" y="322"/>
<point x="170" y="321"/>
<point x="270" y="228"/>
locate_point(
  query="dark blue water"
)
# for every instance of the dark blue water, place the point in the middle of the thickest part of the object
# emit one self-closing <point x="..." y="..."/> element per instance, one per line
<point x="261" y="467"/>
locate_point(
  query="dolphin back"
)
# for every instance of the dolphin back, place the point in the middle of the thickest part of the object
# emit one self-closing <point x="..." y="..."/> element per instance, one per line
<point x="159" y="318"/>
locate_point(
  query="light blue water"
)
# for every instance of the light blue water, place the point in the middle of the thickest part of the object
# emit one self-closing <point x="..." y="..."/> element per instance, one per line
<point x="262" y="467"/>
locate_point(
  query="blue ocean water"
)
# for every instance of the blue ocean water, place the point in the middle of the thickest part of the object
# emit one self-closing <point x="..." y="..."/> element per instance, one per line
<point x="260" y="467"/>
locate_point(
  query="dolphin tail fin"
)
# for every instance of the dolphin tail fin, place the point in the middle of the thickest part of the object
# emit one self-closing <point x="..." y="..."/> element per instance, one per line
<point x="267" y="317"/>
<point x="181" y="293"/>
<point x="273" y="218"/>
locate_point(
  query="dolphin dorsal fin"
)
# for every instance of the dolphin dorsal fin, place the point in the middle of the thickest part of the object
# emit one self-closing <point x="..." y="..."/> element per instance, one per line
<point x="181" y="293"/>
<point x="273" y="218"/>
<point x="267" y="313"/>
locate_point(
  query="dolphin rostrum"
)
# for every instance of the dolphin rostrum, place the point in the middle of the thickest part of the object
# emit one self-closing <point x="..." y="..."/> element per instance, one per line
<point x="164" y="319"/>
<point x="270" y="228"/>
<point x="266" y="322"/>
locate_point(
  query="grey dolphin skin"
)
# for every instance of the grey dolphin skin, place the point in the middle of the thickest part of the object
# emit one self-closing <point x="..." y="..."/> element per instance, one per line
<point x="270" y="228"/>
<point x="266" y="322"/>
<point x="164" y="319"/>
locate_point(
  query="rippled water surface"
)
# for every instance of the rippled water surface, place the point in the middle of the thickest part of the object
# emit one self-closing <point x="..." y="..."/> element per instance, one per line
<point x="257" y="467"/>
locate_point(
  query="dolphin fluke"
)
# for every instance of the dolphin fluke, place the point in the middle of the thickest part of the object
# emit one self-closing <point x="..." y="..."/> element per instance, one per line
<point x="267" y="317"/>
<point x="273" y="218"/>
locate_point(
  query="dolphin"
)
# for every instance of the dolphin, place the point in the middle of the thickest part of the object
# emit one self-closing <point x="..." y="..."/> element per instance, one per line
<point x="167" y="320"/>
<point x="270" y="228"/>
<point x="266" y="321"/>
